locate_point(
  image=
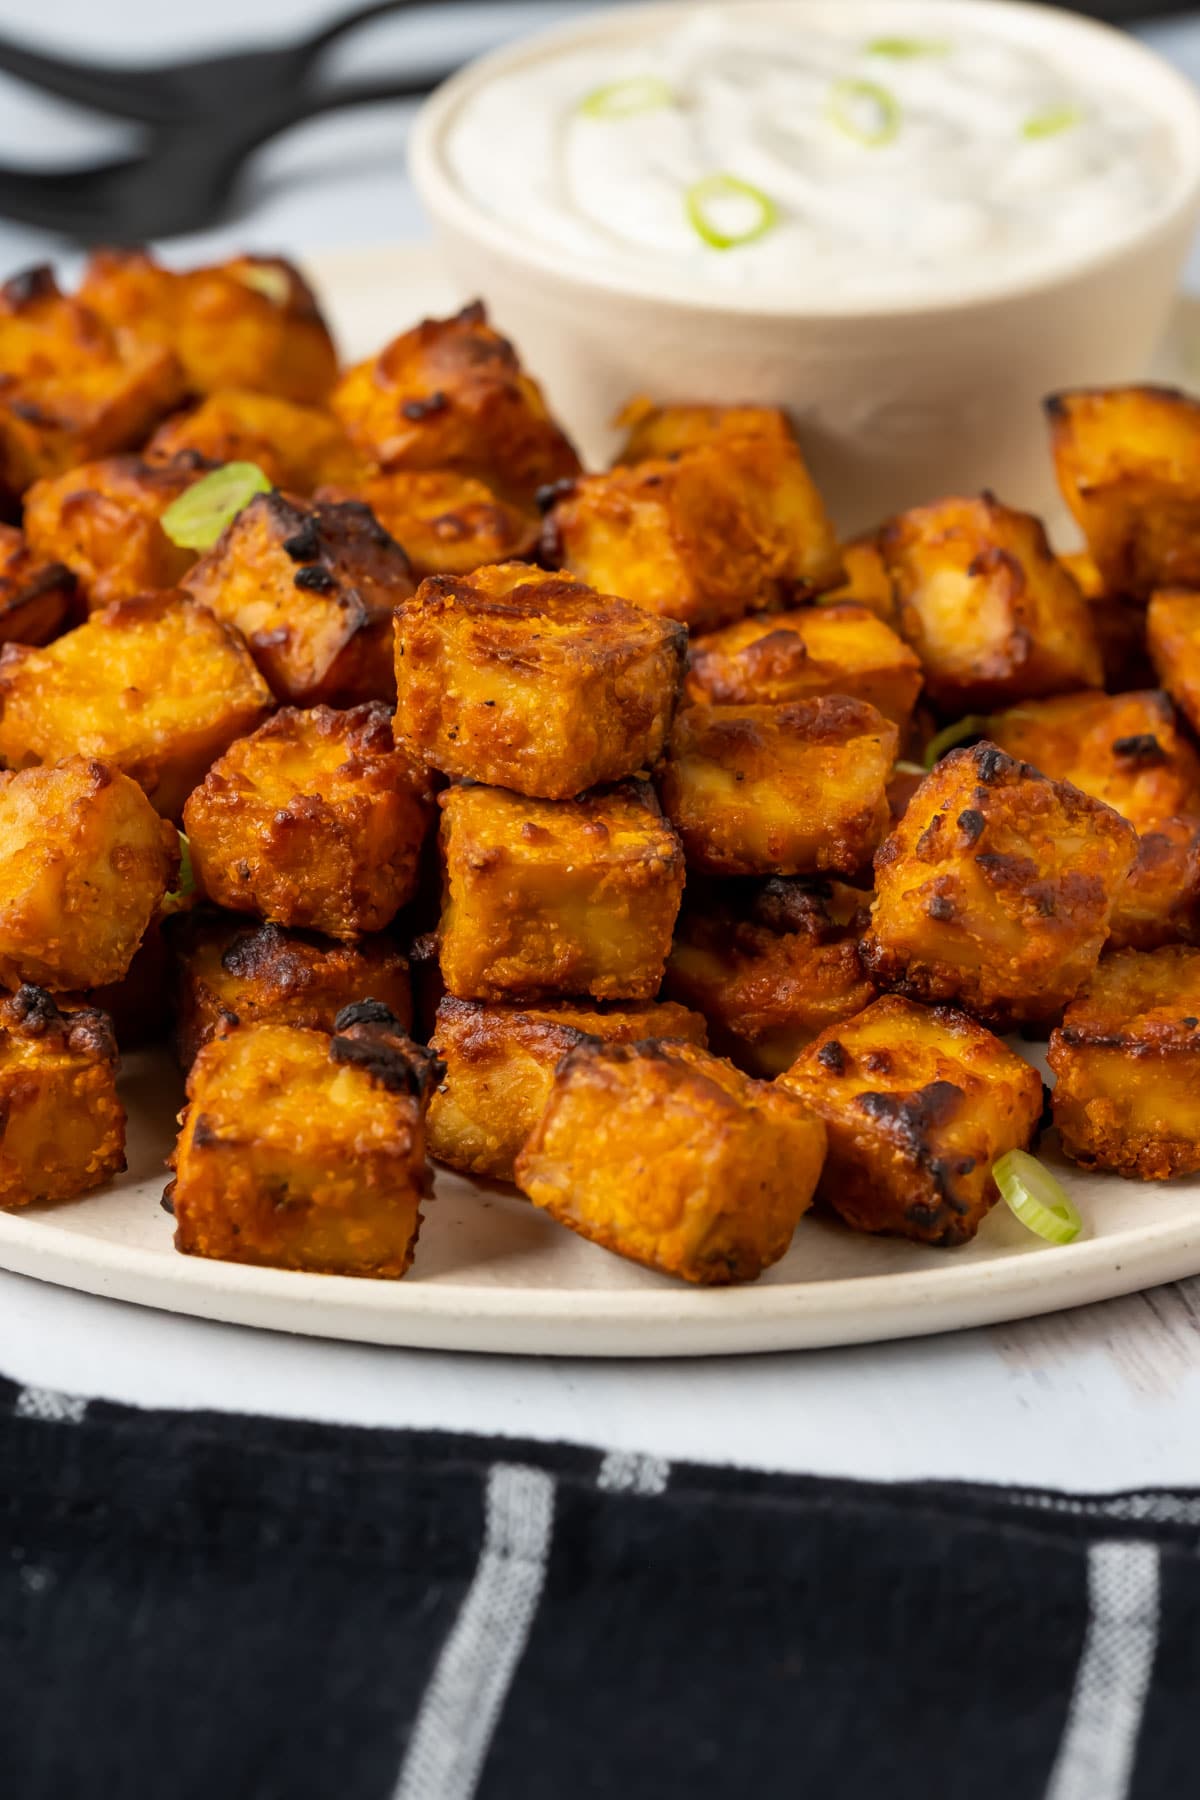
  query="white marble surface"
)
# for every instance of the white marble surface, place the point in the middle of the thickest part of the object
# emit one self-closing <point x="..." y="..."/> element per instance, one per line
<point x="1107" y="1397"/>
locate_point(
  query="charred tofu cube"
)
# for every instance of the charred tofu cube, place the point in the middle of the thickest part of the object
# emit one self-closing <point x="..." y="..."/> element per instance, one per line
<point x="1124" y="1063"/>
<point x="672" y="1158"/>
<point x="867" y="582"/>
<point x="315" y="821"/>
<point x="62" y="1127"/>
<point x="1173" y="638"/>
<point x="296" y="447"/>
<point x="451" y="394"/>
<point x="779" y="790"/>
<point x="311" y="589"/>
<point x="72" y="389"/>
<point x="37" y="599"/>
<point x="1159" y="900"/>
<point x="448" y="523"/>
<point x="775" y="658"/>
<point x="539" y="686"/>
<point x="154" y="686"/>
<point x="229" y="972"/>
<point x="86" y="862"/>
<point x="769" y="965"/>
<point x="102" y="521"/>
<point x="990" y="611"/>
<point x="500" y="1063"/>
<point x="665" y="431"/>
<point x="1124" y="749"/>
<point x="996" y="889"/>
<point x="547" y="898"/>
<point x="304" y="1151"/>
<point x="919" y="1104"/>
<point x="1128" y="464"/>
<point x="252" y="322"/>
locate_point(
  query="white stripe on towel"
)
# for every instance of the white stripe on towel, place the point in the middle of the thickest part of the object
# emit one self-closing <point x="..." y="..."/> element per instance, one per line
<point x="48" y="1404"/>
<point x="625" y="1472"/>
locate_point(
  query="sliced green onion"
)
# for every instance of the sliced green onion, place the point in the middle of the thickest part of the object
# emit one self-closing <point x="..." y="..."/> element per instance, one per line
<point x="908" y="768"/>
<point x="713" y="191"/>
<point x="864" y="111"/>
<point x="182" y="892"/>
<point x="625" y="99"/>
<point x="973" y="726"/>
<point x="196" y="520"/>
<point x="1050" y="123"/>
<point x="1037" y="1197"/>
<point x="268" y="279"/>
<point x="903" y="49"/>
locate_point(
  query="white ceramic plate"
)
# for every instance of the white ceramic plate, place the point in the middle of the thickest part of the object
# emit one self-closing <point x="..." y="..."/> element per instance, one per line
<point x="493" y="1274"/>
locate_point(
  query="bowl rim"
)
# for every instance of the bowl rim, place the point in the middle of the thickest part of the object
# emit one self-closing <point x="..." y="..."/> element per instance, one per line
<point x="447" y="203"/>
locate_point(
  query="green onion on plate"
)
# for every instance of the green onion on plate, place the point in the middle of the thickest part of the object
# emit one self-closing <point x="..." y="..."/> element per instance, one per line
<point x="709" y="200"/>
<point x="625" y="99"/>
<point x="196" y="520"/>
<point x="972" y="726"/>
<point x="864" y="111"/>
<point x="185" y="887"/>
<point x="1037" y="1197"/>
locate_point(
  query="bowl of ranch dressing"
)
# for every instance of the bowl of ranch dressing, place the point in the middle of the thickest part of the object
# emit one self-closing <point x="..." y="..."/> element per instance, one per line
<point x="904" y="222"/>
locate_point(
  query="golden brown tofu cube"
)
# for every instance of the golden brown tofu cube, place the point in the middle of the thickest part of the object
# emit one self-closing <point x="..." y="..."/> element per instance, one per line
<point x="1173" y="638"/>
<point x="539" y="686"/>
<point x="779" y="790"/>
<point x="154" y="686"/>
<point x="296" y="447"/>
<point x="1124" y="749"/>
<point x="867" y="582"/>
<point x="252" y="322"/>
<point x="86" y="862"/>
<point x="919" y="1103"/>
<point x="1126" y="1096"/>
<point x="996" y="889"/>
<point x="314" y="821"/>
<point x="227" y="971"/>
<point x="662" y="431"/>
<point x="988" y="608"/>
<point x="671" y="1157"/>
<point x="304" y="1151"/>
<point x="102" y="521"/>
<point x="448" y="523"/>
<point x="72" y="388"/>
<point x="775" y="658"/>
<point x="1128" y="464"/>
<point x="311" y="588"/>
<point x="566" y="897"/>
<point x="451" y="394"/>
<point x="37" y="599"/>
<point x="500" y="1063"/>
<point x="62" y="1127"/>
<point x="1159" y="900"/>
<point x="769" y="965"/>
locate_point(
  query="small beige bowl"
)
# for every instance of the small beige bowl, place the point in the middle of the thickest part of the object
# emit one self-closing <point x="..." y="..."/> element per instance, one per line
<point x="896" y="403"/>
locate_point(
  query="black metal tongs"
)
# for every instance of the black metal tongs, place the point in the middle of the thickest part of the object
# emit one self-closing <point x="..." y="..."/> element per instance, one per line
<point x="202" y="120"/>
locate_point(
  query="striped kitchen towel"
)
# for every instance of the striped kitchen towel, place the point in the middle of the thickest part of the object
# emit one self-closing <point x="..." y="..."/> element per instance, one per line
<point x="197" y="1606"/>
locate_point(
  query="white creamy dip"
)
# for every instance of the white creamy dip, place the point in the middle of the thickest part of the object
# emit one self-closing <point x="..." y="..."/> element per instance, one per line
<point x="840" y="163"/>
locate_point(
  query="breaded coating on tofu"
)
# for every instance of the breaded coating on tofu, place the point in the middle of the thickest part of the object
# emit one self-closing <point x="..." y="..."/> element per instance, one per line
<point x="996" y="889"/>
<point x="867" y="582"/>
<point x="62" y="1127"/>
<point x="296" y="447"/>
<point x="667" y="431"/>
<point x="1159" y="900"/>
<point x="919" y="1103"/>
<point x="672" y="1158"/>
<point x="1173" y="640"/>
<point x="37" y="599"/>
<point x="775" y="658"/>
<point x="547" y="688"/>
<point x="448" y="523"/>
<point x="1126" y="1093"/>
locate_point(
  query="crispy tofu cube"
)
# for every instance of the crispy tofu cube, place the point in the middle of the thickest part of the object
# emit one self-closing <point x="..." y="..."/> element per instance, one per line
<point x="252" y="322"/>
<point x="867" y="582"/>
<point x="990" y="611"/>
<point x="72" y="388"/>
<point x="1124" y="749"/>
<point x="539" y="686"/>
<point x="996" y="889"/>
<point x="304" y="1151"/>
<point x="1159" y="900"/>
<point x="779" y="790"/>
<point x="663" y="431"/>
<point x="448" y="523"/>
<point x="1124" y="1063"/>
<point x="775" y="658"/>
<point x="500" y="1063"/>
<point x="769" y="965"/>
<point x="296" y="447"/>
<point x="102" y="521"/>
<point x="315" y="821"/>
<point x="153" y="686"/>
<point x="37" y="599"/>
<point x="919" y="1103"/>
<point x="1128" y="464"/>
<point x="311" y="589"/>
<point x="1173" y="639"/>
<point x="547" y="898"/>
<point x="86" y="862"/>
<point x="451" y="394"/>
<point x="62" y="1127"/>
<point x="227" y="971"/>
<point x="671" y="1157"/>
